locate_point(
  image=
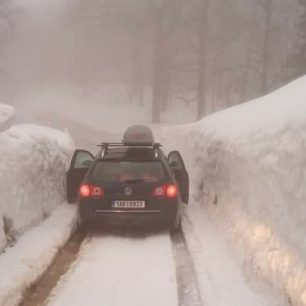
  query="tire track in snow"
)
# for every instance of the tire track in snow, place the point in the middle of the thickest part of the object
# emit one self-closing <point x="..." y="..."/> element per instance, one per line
<point x="146" y="259"/>
<point x="39" y="292"/>
<point x="188" y="291"/>
<point x="120" y="268"/>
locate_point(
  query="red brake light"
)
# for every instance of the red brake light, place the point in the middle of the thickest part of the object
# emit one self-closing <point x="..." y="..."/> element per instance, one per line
<point x="87" y="191"/>
<point x="169" y="191"/>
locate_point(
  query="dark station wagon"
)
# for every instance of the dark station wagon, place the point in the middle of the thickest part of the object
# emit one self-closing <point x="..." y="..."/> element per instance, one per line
<point x="132" y="182"/>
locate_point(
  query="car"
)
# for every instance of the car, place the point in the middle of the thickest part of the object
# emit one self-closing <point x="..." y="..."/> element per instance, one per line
<point x="130" y="182"/>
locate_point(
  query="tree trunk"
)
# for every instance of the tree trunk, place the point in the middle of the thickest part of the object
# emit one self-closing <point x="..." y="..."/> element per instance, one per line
<point x="137" y="70"/>
<point x="158" y="63"/>
<point x="268" y="8"/>
<point x="202" y="58"/>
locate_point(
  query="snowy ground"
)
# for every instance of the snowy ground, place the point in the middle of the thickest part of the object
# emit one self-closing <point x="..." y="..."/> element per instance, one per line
<point x="247" y="166"/>
<point x="244" y="227"/>
<point x="33" y="164"/>
<point x="120" y="269"/>
<point x="23" y="264"/>
<point x="34" y="222"/>
<point x="220" y="278"/>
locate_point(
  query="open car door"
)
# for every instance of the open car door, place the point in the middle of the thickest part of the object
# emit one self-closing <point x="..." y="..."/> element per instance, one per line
<point x="177" y="165"/>
<point x="80" y="163"/>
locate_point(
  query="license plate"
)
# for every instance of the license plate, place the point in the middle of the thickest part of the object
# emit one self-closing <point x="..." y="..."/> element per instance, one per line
<point x="129" y="204"/>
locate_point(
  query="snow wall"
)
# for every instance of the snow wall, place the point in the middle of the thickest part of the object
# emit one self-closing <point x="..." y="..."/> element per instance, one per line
<point x="33" y="164"/>
<point x="248" y="169"/>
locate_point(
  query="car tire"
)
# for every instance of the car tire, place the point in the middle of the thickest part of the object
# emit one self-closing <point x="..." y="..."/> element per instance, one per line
<point x="176" y="225"/>
<point x="83" y="226"/>
<point x="69" y="200"/>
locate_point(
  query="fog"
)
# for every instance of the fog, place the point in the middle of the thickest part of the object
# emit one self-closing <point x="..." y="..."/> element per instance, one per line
<point x="193" y="58"/>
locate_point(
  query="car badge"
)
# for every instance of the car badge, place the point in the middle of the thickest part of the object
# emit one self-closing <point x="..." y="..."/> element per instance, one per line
<point x="128" y="191"/>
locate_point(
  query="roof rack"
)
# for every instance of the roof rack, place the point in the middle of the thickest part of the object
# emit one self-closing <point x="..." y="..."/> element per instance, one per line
<point x="105" y="145"/>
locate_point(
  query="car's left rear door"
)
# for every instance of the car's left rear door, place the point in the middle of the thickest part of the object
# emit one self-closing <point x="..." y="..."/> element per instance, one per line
<point x="80" y="164"/>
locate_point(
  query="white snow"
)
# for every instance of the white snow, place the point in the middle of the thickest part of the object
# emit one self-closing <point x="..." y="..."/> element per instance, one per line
<point x="7" y="117"/>
<point x="116" y="270"/>
<point x="248" y="169"/>
<point x="220" y="279"/>
<point x="24" y="263"/>
<point x="33" y="164"/>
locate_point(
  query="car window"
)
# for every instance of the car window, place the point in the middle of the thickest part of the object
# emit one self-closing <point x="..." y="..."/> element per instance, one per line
<point x="128" y="171"/>
<point x="83" y="160"/>
<point x="175" y="160"/>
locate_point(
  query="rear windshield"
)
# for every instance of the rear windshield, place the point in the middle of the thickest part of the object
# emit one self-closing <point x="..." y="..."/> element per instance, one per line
<point x="128" y="171"/>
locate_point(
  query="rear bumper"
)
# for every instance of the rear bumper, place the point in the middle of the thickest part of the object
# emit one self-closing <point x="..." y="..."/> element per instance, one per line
<point x="164" y="217"/>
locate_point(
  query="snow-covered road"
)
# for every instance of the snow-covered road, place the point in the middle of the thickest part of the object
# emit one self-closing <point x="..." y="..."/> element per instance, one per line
<point x="120" y="269"/>
<point x="128" y="268"/>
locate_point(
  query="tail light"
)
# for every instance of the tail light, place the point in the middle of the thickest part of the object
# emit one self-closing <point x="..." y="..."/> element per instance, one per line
<point x="88" y="191"/>
<point x="169" y="191"/>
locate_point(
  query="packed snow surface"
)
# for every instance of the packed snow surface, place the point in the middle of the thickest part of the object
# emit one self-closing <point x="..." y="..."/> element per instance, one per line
<point x="220" y="278"/>
<point x="121" y="269"/>
<point x="33" y="164"/>
<point x="23" y="264"/>
<point x="248" y="168"/>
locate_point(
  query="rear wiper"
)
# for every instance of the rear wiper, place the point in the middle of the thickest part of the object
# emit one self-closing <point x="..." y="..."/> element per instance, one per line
<point x="133" y="181"/>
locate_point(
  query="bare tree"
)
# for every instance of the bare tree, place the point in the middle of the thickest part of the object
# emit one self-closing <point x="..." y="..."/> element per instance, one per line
<point x="160" y="59"/>
<point x="202" y="58"/>
<point x="267" y="6"/>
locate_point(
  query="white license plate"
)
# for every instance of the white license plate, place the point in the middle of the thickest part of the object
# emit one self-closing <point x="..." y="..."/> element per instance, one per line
<point x="129" y="204"/>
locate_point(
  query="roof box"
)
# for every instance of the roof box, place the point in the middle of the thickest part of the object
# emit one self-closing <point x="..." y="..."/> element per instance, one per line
<point x="138" y="135"/>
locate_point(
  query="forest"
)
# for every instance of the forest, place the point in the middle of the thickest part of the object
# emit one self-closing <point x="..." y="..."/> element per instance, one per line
<point x="211" y="54"/>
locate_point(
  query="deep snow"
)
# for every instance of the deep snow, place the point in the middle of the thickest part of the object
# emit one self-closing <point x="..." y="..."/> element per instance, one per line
<point x="247" y="172"/>
<point x="24" y="263"/>
<point x="248" y="168"/>
<point x="220" y="279"/>
<point x="33" y="164"/>
<point x="33" y="219"/>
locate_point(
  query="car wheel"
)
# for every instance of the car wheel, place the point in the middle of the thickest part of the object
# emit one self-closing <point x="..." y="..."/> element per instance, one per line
<point x="70" y="199"/>
<point x="83" y="226"/>
<point x="176" y="225"/>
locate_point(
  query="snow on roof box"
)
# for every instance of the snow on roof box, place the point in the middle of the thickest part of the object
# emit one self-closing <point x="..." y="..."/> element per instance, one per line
<point x="138" y="135"/>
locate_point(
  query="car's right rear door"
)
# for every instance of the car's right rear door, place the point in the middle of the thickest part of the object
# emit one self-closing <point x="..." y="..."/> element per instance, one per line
<point x="177" y="165"/>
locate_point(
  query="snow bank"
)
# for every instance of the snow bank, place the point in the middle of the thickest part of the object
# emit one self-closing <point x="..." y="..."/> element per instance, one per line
<point x="7" y="116"/>
<point x="33" y="164"/>
<point x="248" y="167"/>
<point x="22" y="265"/>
